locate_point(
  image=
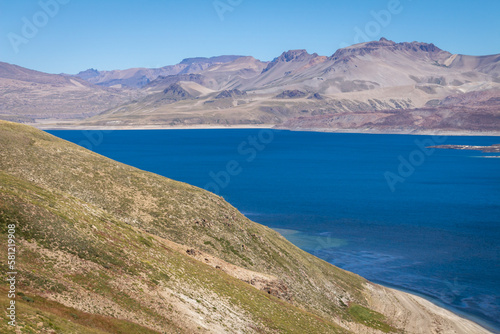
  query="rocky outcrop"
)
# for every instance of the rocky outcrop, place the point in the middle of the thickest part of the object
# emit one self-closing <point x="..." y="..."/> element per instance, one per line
<point x="291" y="94"/>
<point x="88" y="74"/>
<point x="176" y="92"/>
<point x="233" y="93"/>
<point x="270" y="284"/>
<point x="165" y="81"/>
<point x="316" y="96"/>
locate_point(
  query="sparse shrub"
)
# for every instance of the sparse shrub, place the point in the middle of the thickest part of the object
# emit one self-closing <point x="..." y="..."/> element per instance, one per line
<point x="28" y="299"/>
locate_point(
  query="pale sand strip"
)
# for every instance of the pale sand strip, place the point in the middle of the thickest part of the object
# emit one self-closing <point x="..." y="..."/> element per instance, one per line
<point x="56" y="126"/>
<point x="146" y="127"/>
<point x="418" y="315"/>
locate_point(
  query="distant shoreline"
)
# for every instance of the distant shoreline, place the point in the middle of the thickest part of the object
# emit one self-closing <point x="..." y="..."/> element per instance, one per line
<point x="43" y="126"/>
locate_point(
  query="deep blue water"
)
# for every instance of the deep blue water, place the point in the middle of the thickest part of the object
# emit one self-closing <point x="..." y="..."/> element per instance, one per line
<point x="435" y="232"/>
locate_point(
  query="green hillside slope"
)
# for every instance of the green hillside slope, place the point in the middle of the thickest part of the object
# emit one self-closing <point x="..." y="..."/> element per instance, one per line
<point x="102" y="248"/>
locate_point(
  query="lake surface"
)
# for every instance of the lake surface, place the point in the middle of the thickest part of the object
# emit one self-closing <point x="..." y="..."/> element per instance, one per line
<point x="382" y="206"/>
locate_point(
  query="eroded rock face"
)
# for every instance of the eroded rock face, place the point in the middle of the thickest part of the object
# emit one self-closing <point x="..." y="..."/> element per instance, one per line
<point x="192" y="252"/>
<point x="291" y="94"/>
<point x="316" y="96"/>
<point x="278" y="289"/>
<point x="225" y="94"/>
<point x="176" y="92"/>
<point x="268" y="283"/>
<point x="88" y="74"/>
<point x="166" y="81"/>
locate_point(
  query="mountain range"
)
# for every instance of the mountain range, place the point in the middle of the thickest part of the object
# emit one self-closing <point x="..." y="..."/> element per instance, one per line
<point x="378" y="86"/>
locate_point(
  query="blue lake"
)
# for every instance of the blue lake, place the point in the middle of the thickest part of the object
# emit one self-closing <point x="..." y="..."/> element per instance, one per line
<point x="426" y="221"/>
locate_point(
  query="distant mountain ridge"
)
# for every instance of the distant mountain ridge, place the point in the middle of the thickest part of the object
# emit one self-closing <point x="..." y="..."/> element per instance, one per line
<point x="371" y="77"/>
<point x="405" y="62"/>
<point x="211" y="60"/>
<point x="139" y="77"/>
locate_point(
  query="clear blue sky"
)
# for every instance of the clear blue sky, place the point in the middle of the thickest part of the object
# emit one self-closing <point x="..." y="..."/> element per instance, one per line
<point x="119" y="34"/>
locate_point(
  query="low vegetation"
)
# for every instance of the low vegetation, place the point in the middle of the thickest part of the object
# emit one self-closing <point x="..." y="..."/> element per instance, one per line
<point x="101" y="249"/>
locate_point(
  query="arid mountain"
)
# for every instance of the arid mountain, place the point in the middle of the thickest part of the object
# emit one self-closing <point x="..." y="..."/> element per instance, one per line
<point x="139" y="77"/>
<point x="357" y="85"/>
<point x="279" y="72"/>
<point x="217" y="76"/>
<point x="374" y="65"/>
<point x="28" y="95"/>
<point x="103" y="247"/>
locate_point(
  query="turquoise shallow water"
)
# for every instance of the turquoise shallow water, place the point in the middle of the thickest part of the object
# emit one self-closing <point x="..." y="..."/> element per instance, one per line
<point x="382" y="206"/>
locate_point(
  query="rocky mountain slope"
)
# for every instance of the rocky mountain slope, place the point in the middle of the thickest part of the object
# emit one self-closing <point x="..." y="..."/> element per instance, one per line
<point x="27" y="95"/>
<point x="361" y="67"/>
<point x="106" y="248"/>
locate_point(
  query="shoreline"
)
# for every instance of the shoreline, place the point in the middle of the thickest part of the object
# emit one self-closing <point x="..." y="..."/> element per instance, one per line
<point x="439" y="304"/>
<point x="462" y="133"/>
<point x="435" y="305"/>
<point x="147" y="127"/>
<point x="455" y="321"/>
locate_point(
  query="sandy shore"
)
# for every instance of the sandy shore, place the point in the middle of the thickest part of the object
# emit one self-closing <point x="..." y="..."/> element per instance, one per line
<point x="42" y="126"/>
<point x="418" y="315"/>
<point x="55" y="126"/>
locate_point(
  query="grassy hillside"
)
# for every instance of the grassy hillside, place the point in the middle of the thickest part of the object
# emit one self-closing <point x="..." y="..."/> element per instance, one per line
<point x="105" y="247"/>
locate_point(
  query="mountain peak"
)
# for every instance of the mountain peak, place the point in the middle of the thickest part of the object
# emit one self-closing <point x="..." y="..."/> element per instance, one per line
<point x="299" y="55"/>
<point x="419" y="46"/>
<point x="362" y="49"/>
<point x="291" y="55"/>
<point x="87" y="74"/>
<point x="211" y="60"/>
